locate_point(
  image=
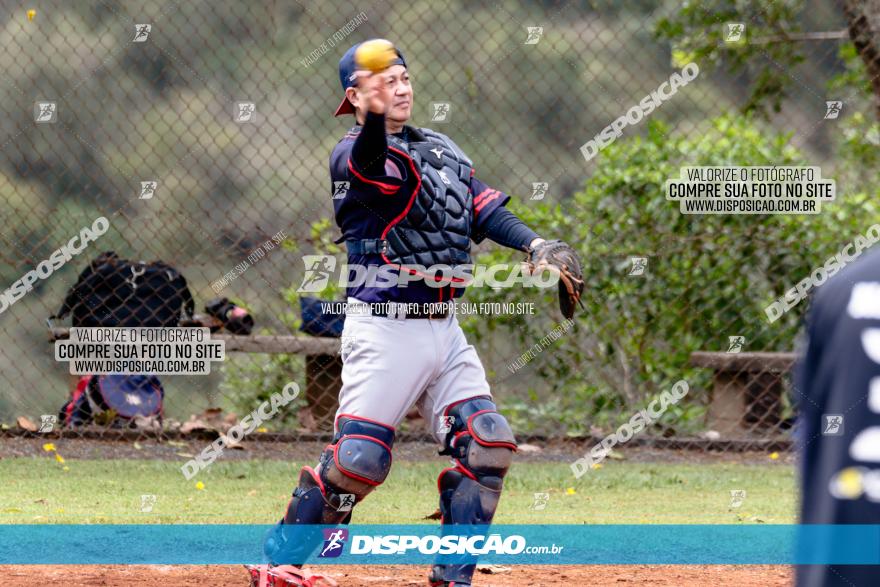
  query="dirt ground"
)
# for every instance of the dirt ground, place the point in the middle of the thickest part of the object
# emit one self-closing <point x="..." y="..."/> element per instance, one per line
<point x="360" y="576"/>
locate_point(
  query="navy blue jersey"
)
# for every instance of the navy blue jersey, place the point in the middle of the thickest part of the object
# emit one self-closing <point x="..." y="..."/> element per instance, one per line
<point x="365" y="204"/>
<point x="837" y="389"/>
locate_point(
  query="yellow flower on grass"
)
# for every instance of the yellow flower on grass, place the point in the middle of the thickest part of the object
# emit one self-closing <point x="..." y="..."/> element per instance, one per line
<point x="48" y="447"/>
<point x="596" y="466"/>
<point x="570" y="491"/>
<point x="65" y="468"/>
<point x="262" y="429"/>
<point x="774" y="456"/>
<point x="200" y="486"/>
<point x="59" y="458"/>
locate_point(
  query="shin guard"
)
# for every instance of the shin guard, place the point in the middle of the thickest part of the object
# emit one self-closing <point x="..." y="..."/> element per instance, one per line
<point x="355" y="463"/>
<point x="481" y="445"/>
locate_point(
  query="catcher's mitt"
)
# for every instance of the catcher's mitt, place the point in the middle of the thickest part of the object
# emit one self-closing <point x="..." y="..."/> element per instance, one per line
<point x="561" y="259"/>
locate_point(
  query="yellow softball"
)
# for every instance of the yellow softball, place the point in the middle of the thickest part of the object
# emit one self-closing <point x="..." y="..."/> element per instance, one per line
<point x="375" y="55"/>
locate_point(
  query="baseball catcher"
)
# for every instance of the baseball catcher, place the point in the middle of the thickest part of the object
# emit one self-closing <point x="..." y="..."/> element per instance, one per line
<point x="408" y="198"/>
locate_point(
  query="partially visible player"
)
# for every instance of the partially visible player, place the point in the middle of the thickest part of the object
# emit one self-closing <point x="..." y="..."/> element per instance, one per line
<point x="837" y="387"/>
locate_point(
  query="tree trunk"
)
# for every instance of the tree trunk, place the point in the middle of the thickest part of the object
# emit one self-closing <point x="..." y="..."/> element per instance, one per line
<point x="863" y="18"/>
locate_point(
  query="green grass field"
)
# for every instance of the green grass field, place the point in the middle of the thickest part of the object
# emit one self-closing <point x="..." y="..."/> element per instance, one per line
<point x="39" y="490"/>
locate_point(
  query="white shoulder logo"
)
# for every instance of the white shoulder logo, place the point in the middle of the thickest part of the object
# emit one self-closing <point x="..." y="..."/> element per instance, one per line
<point x="864" y="301"/>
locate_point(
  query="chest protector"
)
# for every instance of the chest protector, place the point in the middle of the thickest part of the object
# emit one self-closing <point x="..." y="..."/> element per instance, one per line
<point x="435" y="226"/>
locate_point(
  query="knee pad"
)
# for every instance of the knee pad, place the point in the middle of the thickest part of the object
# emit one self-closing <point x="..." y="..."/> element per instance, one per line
<point x="480" y="441"/>
<point x="358" y="460"/>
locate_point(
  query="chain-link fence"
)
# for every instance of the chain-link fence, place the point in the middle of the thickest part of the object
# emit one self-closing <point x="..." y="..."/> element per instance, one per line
<point x="201" y="131"/>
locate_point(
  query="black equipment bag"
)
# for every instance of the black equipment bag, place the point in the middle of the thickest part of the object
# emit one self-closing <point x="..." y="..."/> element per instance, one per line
<point x="116" y="292"/>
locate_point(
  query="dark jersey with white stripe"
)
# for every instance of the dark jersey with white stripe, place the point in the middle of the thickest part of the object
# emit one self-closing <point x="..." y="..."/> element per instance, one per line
<point x="837" y="389"/>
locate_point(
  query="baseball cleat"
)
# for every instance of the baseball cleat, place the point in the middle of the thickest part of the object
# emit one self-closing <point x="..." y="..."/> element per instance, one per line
<point x="285" y="576"/>
<point x="435" y="579"/>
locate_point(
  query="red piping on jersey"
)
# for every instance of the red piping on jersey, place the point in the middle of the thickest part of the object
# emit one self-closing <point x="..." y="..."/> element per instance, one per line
<point x="385" y="188"/>
<point x="355" y="475"/>
<point x="494" y="196"/>
<point x="412" y="198"/>
<point x="482" y="194"/>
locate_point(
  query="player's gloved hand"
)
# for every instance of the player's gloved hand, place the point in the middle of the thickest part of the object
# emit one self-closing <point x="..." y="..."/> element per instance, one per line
<point x="560" y="258"/>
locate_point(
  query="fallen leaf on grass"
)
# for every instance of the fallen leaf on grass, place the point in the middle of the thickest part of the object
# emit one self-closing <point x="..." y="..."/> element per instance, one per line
<point x="435" y="516"/>
<point x="529" y="448"/>
<point x="176" y="443"/>
<point x="137" y="445"/>
<point x="230" y="443"/>
<point x="185" y="455"/>
<point x="212" y="413"/>
<point x="25" y="424"/>
<point x="194" y="424"/>
<point x="147" y="423"/>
